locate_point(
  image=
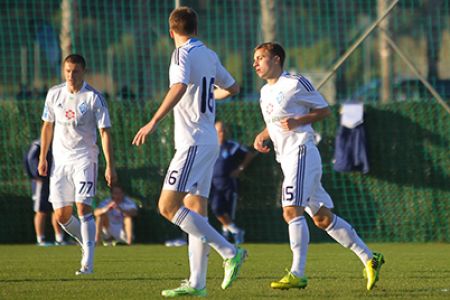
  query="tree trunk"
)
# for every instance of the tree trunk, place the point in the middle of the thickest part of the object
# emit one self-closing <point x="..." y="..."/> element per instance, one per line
<point x="65" y="38"/>
<point x="385" y="54"/>
<point x="268" y="20"/>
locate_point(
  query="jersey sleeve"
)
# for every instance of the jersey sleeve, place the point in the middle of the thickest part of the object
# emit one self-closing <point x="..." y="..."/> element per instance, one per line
<point x="101" y="112"/>
<point x="307" y="95"/>
<point x="32" y="160"/>
<point x="180" y="67"/>
<point x="238" y="151"/>
<point x="128" y="204"/>
<point x="104" y="203"/>
<point x="223" y="77"/>
<point x="48" y="115"/>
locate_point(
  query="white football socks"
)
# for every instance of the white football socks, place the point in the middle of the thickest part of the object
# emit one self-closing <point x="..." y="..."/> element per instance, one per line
<point x="299" y="239"/>
<point x="88" y="238"/>
<point x="194" y="224"/>
<point x="198" y="261"/>
<point x="233" y="228"/>
<point x="59" y="237"/>
<point x="72" y="227"/>
<point x="343" y="233"/>
<point x="40" y="238"/>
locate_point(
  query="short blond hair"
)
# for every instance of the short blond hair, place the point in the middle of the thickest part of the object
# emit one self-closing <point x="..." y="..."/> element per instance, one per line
<point x="183" y="20"/>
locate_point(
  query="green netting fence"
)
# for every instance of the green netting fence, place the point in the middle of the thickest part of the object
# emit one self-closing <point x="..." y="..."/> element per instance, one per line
<point x="404" y="197"/>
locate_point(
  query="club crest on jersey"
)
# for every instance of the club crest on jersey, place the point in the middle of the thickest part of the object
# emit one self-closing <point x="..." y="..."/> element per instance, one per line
<point x="280" y="97"/>
<point x="70" y="114"/>
<point x="82" y="108"/>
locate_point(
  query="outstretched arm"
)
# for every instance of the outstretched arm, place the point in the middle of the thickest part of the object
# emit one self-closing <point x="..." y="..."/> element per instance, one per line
<point x="173" y="96"/>
<point x="46" y="139"/>
<point x="110" y="171"/>
<point x="220" y="93"/>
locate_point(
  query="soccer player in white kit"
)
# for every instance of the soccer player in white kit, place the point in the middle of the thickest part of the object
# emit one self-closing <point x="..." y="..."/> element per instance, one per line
<point x="72" y="113"/>
<point x="289" y="105"/>
<point x="114" y="218"/>
<point x="194" y="72"/>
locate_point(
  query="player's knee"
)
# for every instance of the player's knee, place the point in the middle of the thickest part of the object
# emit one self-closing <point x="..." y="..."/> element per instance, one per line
<point x="323" y="218"/>
<point x="322" y="221"/>
<point x="291" y="212"/>
<point x="166" y="211"/>
<point x="62" y="218"/>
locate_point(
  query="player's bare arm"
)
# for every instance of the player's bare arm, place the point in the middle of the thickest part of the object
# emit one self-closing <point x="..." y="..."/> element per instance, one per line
<point x="110" y="171"/>
<point x="128" y="212"/>
<point x="173" y="96"/>
<point x="46" y="139"/>
<point x="220" y="93"/>
<point x="259" y="144"/>
<point x="314" y="116"/>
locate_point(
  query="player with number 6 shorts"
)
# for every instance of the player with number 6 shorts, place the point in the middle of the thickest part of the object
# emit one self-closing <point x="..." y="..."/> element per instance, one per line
<point x="290" y="104"/>
<point x="195" y="71"/>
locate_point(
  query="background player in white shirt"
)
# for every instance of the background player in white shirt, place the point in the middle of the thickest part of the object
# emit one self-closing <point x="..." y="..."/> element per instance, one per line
<point x="72" y="113"/>
<point x="290" y="104"/>
<point x="114" y="218"/>
<point x="194" y="71"/>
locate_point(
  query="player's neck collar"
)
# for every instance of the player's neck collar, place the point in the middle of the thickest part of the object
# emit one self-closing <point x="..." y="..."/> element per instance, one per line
<point x="83" y="86"/>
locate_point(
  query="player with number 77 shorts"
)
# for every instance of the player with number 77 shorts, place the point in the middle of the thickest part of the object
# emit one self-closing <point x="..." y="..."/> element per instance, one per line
<point x="73" y="111"/>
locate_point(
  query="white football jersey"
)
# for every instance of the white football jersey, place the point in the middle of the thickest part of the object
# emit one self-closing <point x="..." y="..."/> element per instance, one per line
<point x="115" y="216"/>
<point x="200" y="69"/>
<point x="290" y="96"/>
<point x="76" y="118"/>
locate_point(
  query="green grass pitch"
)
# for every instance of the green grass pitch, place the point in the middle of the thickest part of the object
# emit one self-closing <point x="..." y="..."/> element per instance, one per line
<point x="412" y="271"/>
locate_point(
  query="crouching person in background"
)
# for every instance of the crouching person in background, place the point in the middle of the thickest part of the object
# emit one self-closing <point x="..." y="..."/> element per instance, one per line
<point x="114" y="218"/>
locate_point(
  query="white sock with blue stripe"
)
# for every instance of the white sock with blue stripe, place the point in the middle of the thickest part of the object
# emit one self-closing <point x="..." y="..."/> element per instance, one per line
<point x="343" y="233"/>
<point x="299" y="239"/>
<point x="72" y="227"/>
<point x="194" y="224"/>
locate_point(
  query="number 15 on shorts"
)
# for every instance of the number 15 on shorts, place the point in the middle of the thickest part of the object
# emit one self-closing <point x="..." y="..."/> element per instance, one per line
<point x="288" y="193"/>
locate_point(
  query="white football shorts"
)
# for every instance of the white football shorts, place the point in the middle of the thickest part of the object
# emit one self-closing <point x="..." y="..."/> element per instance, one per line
<point x="302" y="170"/>
<point x="191" y="170"/>
<point x="73" y="183"/>
<point x="114" y="231"/>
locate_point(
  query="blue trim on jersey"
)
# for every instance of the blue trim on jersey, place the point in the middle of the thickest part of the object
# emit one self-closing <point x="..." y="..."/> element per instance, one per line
<point x="199" y="46"/>
<point x="301" y="166"/>
<point x="95" y="177"/>
<point x="97" y="93"/>
<point x="187" y="168"/>
<point x="305" y="82"/>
